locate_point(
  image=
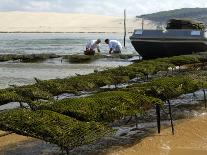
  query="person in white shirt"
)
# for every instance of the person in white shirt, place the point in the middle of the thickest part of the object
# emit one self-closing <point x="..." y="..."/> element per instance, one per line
<point x="91" y="46"/>
<point x="114" y="46"/>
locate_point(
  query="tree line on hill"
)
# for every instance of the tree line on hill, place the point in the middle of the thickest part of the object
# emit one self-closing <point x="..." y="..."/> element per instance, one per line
<point x="199" y="14"/>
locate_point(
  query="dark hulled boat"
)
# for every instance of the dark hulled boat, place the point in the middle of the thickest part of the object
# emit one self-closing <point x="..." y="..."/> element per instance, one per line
<point x="180" y="37"/>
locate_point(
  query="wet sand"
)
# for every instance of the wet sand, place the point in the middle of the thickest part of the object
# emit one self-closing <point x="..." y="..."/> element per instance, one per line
<point x="12" y="139"/>
<point x="190" y="139"/>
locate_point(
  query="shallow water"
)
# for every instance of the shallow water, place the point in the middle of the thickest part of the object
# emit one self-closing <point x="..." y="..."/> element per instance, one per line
<point x="190" y="133"/>
<point x="190" y="139"/>
<point x="59" y="43"/>
<point x="24" y="73"/>
<point x="16" y="73"/>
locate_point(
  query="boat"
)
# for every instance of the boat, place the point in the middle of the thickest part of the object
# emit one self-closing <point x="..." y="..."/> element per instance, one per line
<point x="181" y="37"/>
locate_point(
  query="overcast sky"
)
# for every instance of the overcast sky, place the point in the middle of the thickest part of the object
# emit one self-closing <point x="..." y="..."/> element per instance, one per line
<point x="105" y="7"/>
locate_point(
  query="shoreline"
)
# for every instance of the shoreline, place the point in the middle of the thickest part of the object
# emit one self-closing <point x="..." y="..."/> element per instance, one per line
<point x="65" y="32"/>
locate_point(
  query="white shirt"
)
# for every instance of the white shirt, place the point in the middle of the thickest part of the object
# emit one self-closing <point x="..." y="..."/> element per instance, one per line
<point x="92" y="45"/>
<point x="114" y="44"/>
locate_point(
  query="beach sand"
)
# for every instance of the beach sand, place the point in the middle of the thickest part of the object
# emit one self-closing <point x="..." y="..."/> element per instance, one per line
<point x="190" y="139"/>
<point x="66" y="22"/>
<point x="11" y="140"/>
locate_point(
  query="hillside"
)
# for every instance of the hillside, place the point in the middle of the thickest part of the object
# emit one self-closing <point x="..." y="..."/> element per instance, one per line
<point x="199" y="14"/>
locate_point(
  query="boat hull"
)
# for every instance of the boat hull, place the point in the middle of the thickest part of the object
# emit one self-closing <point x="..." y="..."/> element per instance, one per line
<point x="150" y="49"/>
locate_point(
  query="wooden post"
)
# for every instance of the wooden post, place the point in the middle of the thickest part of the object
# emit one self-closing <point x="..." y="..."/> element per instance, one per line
<point x="124" y="28"/>
<point x="136" y="118"/>
<point x="21" y="105"/>
<point x="158" y="117"/>
<point x="171" y="119"/>
<point x="204" y="93"/>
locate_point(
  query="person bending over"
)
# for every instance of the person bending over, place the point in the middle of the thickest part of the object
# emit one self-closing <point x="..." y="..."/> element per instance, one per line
<point x="91" y="46"/>
<point x="114" y="46"/>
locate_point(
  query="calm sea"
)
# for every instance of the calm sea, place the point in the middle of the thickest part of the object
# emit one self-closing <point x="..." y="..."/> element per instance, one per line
<point x="15" y="73"/>
<point x="59" y="43"/>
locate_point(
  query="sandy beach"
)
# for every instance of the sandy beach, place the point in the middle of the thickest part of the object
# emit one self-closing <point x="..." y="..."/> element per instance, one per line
<point x="190" y="139"/>
<point x="66" y="22"/>
<point x="11" y="139"/>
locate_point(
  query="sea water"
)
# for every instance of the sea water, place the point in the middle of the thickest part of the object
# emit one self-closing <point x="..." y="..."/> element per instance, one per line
<point x="16" y="73"/>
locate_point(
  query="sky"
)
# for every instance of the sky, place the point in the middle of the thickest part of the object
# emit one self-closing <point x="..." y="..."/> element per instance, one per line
<point x="102" y="7"/>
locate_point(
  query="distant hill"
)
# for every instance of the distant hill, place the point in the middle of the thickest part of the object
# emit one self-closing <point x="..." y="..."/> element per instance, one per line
<point x="199" y="14"/>
<point x="65" y="22"/>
